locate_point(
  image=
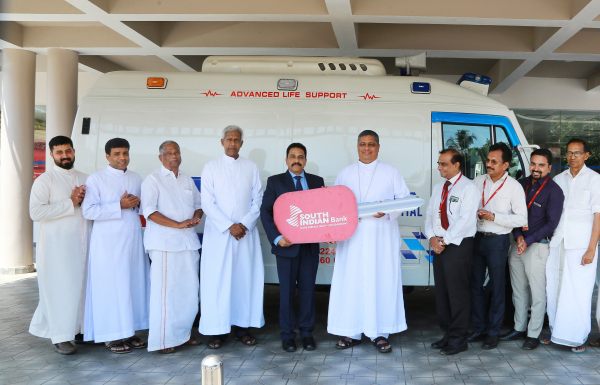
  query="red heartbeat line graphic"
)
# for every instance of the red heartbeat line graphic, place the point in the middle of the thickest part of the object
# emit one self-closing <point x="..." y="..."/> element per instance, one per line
<point x="210" y="93"/>
<point x="370" y="97"/>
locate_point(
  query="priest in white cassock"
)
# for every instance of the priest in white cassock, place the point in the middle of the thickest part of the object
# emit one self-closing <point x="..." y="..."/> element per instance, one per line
<point x="62" y="245"/>
<point x="232" y="271"/>
<point x="571" y="266"/>
<point x="366" y="288"/>
<point x="171" y="205"/>
<point x="118" y="284"/>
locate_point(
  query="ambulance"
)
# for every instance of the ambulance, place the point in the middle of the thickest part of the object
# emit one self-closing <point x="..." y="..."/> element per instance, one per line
<point x="323" y="103"/>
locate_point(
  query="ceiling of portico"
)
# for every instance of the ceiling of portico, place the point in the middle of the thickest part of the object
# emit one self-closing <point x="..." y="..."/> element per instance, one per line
<point x="504" y="39"/>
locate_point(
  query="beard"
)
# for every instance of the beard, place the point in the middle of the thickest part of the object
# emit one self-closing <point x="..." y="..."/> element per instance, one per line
<point x="66" y="166"/>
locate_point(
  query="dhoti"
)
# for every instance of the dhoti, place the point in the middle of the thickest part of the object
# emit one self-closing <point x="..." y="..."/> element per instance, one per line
<point x="569" y="288"/>
<point x="174" y="293"/>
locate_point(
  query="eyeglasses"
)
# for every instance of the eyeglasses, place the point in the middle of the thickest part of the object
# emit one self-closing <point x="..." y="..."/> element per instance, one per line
<point x="576" y="154"/>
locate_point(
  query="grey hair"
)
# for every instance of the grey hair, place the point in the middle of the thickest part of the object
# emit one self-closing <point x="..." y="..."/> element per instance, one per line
<point x="165" y="143"/>
<point x="233" y="128"/>
<point x="367" y="133"/>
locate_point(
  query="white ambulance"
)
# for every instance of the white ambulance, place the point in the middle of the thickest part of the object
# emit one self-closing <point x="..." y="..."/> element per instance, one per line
<point x="321" y="102"/>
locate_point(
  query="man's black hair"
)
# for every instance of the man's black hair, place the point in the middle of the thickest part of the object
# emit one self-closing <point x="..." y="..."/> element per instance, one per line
<point x="577" y="140"/>
<point x="456" y="156"/>
<point x="295" y="145"/>
<point x="116" y="143"/>
<point x="543" y="152"/>
<point x="59" y="141"/>
<point x="368" y="133"/>
<point x="506" y="152"/>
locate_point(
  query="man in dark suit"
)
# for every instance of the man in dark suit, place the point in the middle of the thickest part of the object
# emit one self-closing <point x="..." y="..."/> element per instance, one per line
<point x="296" y="264"/>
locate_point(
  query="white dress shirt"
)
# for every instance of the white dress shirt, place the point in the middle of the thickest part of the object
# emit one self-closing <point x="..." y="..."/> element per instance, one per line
<point x="176" y="198"/>
<point x="461" y="207"/>
<point x="582" y="201"/>
<point x="508" y="205"/>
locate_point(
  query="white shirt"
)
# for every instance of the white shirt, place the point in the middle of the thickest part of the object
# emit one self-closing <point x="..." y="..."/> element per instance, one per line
<point x="508" y="205"/>
<point x="582" y="201"/>
<point x="176" y="198"/>
<point x="461" y="207"/>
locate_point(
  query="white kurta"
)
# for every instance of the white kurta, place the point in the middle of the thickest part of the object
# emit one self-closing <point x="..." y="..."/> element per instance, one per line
<point x="366" y="288"/>
<point x="569" y="285"/>
<point x="118" y="284"/>
<point x="231" y="271"/>
<point x="175" y="258"/>
<point x="61" y="255"/>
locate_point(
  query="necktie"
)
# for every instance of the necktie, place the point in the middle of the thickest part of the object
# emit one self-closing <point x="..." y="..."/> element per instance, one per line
<point x="298" y="184"/>
<point x="444" y="213"/>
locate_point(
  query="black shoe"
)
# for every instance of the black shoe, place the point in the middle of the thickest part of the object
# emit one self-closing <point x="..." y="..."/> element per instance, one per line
<point x="309" y="343"/>
<point x="513" y="335"/>
<point x="441" y="344"/>
<point x="288" y="345"/>
<point x="491" y="342"/>
<point x="450" y="350"/>
<point x="476" y="337"/>
<point x="531" y="343"/>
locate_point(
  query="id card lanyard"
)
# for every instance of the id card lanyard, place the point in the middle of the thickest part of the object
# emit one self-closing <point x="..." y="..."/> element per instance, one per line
<point x="526" y="227"/>
<point x="483" y="202"/>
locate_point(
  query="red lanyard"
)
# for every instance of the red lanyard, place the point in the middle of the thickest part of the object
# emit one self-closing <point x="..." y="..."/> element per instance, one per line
<point x="445" y="194"/>
<point x="483" y="202"/>
<point x="536" y="194"/>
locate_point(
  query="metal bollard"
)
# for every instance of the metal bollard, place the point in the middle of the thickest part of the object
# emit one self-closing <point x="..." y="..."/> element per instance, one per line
<point x="212" y="370"/>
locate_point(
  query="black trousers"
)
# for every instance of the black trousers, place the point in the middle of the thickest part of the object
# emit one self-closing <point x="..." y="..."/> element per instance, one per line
<point x="452" y="274"/>
<point x="300" y="272"/>
<point x="491" y="253"/>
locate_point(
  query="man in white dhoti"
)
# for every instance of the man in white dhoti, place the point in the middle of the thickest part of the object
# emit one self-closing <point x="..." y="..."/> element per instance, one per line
<point x="118" y="280"/>
<point x="366" y="288"/>
<point x="171" y="205"/>
<point x="571" y="266"/>
<point x="232" y="271"/>
<point x="62" y="245"/>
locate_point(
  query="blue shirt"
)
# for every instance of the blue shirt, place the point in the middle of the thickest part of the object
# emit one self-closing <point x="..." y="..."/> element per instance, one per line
<point x="544" y="213"/>
<point x="304" y="187"/>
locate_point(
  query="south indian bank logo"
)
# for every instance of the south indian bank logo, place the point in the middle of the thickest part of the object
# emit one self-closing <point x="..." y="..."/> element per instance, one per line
<point x="298" y="219"/>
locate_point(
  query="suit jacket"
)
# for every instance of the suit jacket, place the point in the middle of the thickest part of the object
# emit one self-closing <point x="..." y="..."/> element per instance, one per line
<point x="277" y="185"/>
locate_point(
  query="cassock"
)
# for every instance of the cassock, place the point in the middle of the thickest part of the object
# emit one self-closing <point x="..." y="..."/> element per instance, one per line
<point x="569" y="285"/>
<point x="61" y="255"/>
<point x="231" y="271"/>
<point x="174" y="255"/>
<point x="118" y="280"/>
<point x="366" y="288"/>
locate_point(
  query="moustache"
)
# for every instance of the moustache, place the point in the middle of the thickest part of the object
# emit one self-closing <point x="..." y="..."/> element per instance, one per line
<point x="67" y="159"/>
<point x="296" y="164"/>
<point x="490" y="168"/>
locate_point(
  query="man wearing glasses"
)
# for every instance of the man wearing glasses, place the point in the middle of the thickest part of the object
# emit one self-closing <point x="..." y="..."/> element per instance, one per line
<point x="571" y="267"/>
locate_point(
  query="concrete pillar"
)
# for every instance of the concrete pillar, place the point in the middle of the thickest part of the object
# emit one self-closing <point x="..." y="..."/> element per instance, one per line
<point x="61" y="95"/>
<point x="16" y="163"/>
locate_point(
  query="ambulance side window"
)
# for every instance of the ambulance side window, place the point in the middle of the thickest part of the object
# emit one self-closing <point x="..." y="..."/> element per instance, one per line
<point x="516" y="167"/>
<point x="472" y="141"/>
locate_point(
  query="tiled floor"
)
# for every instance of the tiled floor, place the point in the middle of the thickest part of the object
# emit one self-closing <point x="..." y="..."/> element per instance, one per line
<point x="25" y="359"/>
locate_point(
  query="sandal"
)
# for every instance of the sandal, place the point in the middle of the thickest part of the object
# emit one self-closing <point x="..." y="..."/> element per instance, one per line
<point x="215" y="342"/>
<point x="547" y="340"/>
<point x="595" y="344"/>
<point x="247" y="339"/>
<point x="380" y="347"/>
<point x="113" y="348"/>
<point x="135" y="343"/>
<point x="166" y="351"/>
<point x="347" y="344"/>
<point x="193" y="342"/>
<point x="578" y="351"/>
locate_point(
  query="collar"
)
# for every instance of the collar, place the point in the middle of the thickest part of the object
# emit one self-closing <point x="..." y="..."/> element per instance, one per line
<point x="114" y="171"/>
<point x="455" y="178"/>
<point x="294" y="175"/>
<point x="584" y="170"/>
<point x="165" y="171"/>
<point x="368" y="166"/>
<point x="537" y="182"/>
<point x="63" y="171"/>
<point x="229" y="159"/>
<point x="503" y="177"/>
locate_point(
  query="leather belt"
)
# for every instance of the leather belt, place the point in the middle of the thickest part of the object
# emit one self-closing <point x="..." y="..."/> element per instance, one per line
<point x="484" y="234"/>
